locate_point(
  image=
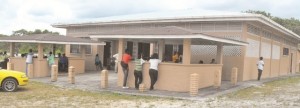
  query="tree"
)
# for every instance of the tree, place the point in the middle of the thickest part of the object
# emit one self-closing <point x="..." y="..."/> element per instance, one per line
<point x="20" y="32"/>
<point x="24" y="47"/>
<point x="291" y="23"/>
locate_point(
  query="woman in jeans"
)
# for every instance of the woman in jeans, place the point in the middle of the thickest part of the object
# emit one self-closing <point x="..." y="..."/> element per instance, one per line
<point x="124" y="63"/>
<point x="153" y="71"/>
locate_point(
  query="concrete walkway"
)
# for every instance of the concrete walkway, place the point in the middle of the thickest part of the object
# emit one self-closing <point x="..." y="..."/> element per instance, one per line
<point x="90" y="81"/>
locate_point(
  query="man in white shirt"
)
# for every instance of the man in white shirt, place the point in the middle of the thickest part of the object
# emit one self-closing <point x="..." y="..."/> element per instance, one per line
<point x="29" y="60"/>
<point x="116" y="56"/>
<point x="260" y="67"/>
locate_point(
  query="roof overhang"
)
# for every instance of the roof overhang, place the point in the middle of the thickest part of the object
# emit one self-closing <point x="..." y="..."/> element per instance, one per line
<point x="251" y="17"/>
<point x="53" y="42"/>
<point x="196" y="36"/>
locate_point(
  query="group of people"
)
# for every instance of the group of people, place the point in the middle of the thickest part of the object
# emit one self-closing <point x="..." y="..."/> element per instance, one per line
<point x="3" y="60"/>
<point x="153" y="70"/>
<point x="62" y="61"/>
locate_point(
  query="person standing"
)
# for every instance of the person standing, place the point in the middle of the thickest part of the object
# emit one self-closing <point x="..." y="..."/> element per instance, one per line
<point x="213" y="61"/>
<point x="260" y="66"/>
<point x="124" y="63"/>
<point x="153" y="71"/>
<point x="50" y="60"/>
<point x="64" y="62"/>
<point x="29" y="57"/>
<point x="138" y="75"/>
<point x="175" y="57"/>
<point x="116" y="56"/>
<point x="98" y="63"/>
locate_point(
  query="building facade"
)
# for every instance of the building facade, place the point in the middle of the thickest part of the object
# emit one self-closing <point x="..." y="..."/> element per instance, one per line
<point x="265" y="38"/>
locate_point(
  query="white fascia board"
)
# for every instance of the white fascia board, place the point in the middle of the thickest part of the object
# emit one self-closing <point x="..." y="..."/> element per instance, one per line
<point x="200" y="36"/>
<point x="53" y="42"/>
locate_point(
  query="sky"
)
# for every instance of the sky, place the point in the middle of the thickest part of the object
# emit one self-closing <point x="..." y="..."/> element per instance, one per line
<point x="40" y="14"/>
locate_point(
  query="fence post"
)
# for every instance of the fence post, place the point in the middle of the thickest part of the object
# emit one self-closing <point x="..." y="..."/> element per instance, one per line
<point x="194" y="84"/>
<point x="142" y="87"/>
<point x="104" y="79"/>
<point x="71" y="75"/>
<point x="30" y="70"/>
<point x="54" y="72"/>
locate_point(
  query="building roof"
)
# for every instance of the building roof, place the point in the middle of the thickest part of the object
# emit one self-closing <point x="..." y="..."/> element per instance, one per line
<point x="181" y="16"/>
<point x="51" y="39"/>
<point x="170" y="32"/>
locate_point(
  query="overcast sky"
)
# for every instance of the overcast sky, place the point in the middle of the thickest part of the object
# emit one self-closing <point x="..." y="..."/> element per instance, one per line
<point x="40" y="14"/>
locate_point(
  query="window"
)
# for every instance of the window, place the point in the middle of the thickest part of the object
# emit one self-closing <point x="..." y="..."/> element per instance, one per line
<point x="88" y="49"/>
<point x="285" y="51"/>
<point x="74" y="49"/>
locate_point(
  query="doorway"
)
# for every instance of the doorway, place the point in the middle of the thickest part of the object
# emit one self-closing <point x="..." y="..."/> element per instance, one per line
<point x="144" y="49"/>
<point x="106" y="55"/>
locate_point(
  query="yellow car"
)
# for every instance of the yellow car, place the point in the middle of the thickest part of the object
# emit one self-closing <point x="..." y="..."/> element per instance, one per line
<point x="10" y="80"/>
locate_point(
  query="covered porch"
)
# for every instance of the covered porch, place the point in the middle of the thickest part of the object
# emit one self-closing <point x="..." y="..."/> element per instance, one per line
<point x="172" y="76"/>
<point x="40" y="64"/>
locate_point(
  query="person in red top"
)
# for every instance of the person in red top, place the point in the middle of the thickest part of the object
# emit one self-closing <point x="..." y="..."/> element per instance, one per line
<point x="124" y="63"/>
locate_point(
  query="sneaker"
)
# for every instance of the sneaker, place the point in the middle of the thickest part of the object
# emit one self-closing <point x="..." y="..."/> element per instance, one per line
<point x="125" y="87"/>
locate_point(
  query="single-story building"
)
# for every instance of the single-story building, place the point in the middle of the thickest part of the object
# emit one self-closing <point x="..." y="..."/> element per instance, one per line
<point x="233" y="39"/>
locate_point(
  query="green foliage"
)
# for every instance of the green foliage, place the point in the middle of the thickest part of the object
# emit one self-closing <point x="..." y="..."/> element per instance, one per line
<point x="290" y="23"/>
<point x="22" y="48"/>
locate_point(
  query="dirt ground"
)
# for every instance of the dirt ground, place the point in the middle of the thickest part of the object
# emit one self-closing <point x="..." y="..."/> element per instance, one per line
<point x="281" y="93"/>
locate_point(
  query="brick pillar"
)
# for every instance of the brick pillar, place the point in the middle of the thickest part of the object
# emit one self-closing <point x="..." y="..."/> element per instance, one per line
<point x="194" y="83"/>
<point x="217" y="81"/>
<point x="54" y="72"/>
<point x="234" y="74"/>
<point x="30" y="70"/>
<point x="104" y="79"/>
<point x="12" y="49"/>
<point x="186" y="57"/>
<point x="142" y="87"/>
<point x="71" y="75"/>
<point x="10" y="66"/>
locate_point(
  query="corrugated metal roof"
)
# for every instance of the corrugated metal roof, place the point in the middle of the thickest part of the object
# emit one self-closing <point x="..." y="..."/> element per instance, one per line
<point x="50" y="38"/>
<point x="189" y="13"/>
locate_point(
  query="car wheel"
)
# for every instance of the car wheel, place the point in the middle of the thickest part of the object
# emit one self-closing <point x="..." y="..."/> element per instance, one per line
<point x="9" y="85"/>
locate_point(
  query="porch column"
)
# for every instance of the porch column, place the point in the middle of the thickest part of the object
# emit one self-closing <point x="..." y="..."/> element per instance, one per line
<point x="219" y="59"/>
<point x="40" y="51"/>
<point x="161" y="48"/>
<point x="152" y="45"/>
<point x="82" y="50"/>
<point x="12" y="49"/>
<point x="120" y="53"/>
<point x="186" y="56"/>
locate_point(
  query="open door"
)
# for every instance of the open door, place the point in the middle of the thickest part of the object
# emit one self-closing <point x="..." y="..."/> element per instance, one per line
<point x="106" y="55"/>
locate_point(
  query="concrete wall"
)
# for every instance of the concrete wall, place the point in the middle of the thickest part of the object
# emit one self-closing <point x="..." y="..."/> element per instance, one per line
<point x="41" y="68"/>
<point x="174" y="77"/>
<point x="89" y="64"/>
<point x="276" y="64"/>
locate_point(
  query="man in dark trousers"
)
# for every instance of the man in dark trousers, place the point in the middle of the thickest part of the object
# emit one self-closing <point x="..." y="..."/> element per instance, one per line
<point x="260" y="66"/>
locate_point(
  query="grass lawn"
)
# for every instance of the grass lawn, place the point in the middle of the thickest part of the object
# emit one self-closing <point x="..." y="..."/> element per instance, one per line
<point x="267" y="89"/>
<point x="37" y="94"/>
